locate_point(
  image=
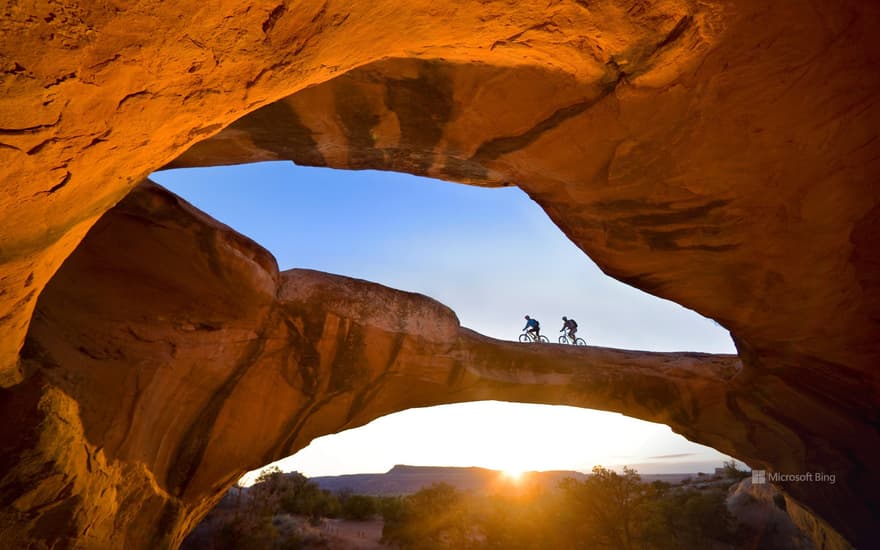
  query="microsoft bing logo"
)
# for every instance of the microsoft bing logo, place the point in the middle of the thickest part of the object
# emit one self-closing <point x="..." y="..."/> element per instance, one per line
<point x="761" y="477"/>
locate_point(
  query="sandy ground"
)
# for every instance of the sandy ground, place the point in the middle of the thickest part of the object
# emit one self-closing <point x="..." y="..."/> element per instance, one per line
<point x="353" y="534"/>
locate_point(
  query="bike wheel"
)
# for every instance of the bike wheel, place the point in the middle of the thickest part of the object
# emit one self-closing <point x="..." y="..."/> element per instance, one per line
<point x="563" y="340"/>
<point x="544" y="339"/>
<point x="524" y="338"/>
<point x="580" y="342"/>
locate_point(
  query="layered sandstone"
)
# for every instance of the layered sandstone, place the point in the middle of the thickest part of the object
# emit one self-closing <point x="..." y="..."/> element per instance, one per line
<point x="720" y="154"/>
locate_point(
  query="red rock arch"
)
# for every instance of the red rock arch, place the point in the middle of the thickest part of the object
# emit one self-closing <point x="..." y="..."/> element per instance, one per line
<point x="721" y="155"/>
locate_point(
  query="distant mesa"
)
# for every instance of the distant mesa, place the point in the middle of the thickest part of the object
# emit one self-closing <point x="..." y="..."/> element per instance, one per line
<point x="404" y="480"/>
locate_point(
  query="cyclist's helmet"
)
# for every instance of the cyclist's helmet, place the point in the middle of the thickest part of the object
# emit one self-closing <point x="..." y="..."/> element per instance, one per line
<point x="527" y="316"/>
<point x="563" y="318"/>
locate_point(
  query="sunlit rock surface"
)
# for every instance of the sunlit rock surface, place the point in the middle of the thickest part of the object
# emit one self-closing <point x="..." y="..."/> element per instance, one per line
<point x="720" y="154"/>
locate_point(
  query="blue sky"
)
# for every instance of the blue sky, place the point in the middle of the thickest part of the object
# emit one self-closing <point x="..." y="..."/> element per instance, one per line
<point x="492" y="255"/>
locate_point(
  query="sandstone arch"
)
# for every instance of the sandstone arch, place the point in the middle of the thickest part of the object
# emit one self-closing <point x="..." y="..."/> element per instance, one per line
<point x="720" y="154"/>
<point x="184" y="358"/>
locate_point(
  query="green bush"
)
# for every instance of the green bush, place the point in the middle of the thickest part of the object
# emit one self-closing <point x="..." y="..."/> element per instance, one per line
<point x="359" y="507"/>
<point x="434" y="518"/>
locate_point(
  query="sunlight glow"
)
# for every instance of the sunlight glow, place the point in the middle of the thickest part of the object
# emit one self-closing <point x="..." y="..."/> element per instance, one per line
<point x="515" y="476"/>
<point x="502" y="436"/>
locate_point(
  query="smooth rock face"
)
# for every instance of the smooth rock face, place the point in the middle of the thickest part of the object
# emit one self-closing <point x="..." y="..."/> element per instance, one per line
<point x="722" y="154"/>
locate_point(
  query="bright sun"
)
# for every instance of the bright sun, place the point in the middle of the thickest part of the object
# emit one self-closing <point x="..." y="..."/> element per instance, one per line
<point x="514" y="475"/>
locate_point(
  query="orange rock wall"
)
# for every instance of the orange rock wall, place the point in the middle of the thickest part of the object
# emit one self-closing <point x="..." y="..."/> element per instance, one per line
<point x="720" y="154"/>
<point x="96" y="96"/>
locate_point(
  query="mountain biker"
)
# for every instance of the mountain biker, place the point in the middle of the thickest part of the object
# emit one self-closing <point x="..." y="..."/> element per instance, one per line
<point x="572" y="327"/>
<point x="533" y="328"/>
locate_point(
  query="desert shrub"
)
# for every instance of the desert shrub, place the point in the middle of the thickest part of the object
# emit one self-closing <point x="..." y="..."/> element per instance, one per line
<point x="514" y="522"/>
<point x="305" y="498"/>
<point x="687" y="519"/>
<point x="732" y="471"/>
<point x="389" y="507"/>
<point x="433" y="518"/>
<point x="255" y="533"/>
<point x="706" y="519"/>
<point x="358" y="507"/>
<point x="609" y="506"/>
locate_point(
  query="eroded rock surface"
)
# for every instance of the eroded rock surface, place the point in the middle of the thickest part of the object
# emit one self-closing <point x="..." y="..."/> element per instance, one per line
<point x="724" y="155"/>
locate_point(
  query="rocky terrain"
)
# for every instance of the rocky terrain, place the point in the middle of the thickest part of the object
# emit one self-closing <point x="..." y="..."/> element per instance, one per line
<point x="721" y="154"/>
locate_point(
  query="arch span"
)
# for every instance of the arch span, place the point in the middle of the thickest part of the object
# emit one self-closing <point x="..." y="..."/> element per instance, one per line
<point x="183" y="351"/>
<point x="169" y="356"/>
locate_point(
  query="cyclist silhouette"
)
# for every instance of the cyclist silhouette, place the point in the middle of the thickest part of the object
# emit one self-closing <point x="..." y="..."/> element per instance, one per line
<point x="533" y="328"/>
<point x="572" y="327"/>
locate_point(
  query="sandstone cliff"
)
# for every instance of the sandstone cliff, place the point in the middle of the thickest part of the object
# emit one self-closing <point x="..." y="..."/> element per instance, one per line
<point x="722" y="154"/>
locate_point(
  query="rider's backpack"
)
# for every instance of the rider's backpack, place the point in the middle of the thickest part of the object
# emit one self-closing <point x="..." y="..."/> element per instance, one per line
<point x="573" y="323"/>
<point x="537" y="324"/>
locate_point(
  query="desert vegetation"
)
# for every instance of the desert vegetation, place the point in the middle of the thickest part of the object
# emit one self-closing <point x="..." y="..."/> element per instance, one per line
<point x="606" y="510"/>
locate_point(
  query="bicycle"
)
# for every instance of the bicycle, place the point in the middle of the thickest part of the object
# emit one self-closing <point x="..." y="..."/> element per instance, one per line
<point x="566" y="339"/>
<point x="527" y="337"/>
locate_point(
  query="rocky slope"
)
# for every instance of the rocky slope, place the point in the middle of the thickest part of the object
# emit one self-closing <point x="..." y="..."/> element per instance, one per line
<point x="779" y="521"/>
<point x="721" y="154"/>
